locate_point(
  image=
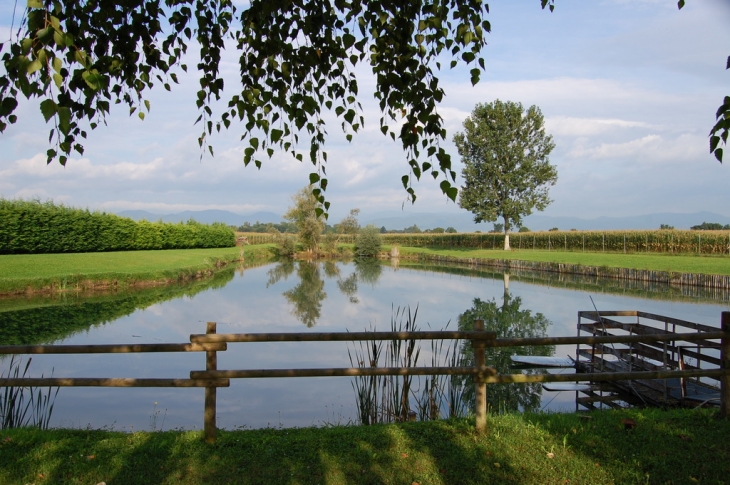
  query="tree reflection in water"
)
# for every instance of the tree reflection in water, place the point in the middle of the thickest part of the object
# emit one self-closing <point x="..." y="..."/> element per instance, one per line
<point x="508" y="320"/>
<point x="307" y="296"/>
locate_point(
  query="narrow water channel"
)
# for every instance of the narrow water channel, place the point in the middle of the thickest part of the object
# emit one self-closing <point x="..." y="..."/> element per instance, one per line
<point x="302" y="297"/>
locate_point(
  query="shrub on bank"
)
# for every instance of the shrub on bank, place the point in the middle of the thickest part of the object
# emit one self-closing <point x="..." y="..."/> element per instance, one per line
<point x="368" y="242"/>
<point x="31" y="226"/>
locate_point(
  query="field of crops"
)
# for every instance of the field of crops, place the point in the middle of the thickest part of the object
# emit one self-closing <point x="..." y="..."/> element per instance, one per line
<point x="658" y="241"/>
<point x="652" y="241"/>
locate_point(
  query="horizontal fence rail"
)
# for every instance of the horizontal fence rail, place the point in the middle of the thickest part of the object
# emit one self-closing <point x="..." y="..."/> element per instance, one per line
<point x="109" y="349"/>
<point x="340" y="336"/>
<point x="211" y="343"/>
<point x="343" y="372"/>
<point x="110" y="382"/>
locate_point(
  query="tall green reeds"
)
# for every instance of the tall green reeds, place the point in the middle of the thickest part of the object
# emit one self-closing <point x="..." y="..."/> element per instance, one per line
<point x="22" y="407"/>
<point x="387" y="399"/>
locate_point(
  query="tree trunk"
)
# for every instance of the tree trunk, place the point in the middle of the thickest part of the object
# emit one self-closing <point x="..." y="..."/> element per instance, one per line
<point x="506" y="235"/>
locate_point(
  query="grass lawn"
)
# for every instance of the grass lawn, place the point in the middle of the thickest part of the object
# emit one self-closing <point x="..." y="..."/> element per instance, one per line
<point x="654" y="262"/>
<point x="20" y="271"/>
<point x="664" y="447"/>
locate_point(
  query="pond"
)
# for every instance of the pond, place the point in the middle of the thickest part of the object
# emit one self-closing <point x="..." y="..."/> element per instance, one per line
<point x="303" y="297"/>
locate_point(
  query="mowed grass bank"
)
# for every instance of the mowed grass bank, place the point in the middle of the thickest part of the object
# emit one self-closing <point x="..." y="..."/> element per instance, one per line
<point x="696" y="264"/>
<point x="21" y="272"/>
<point x="664" y="447"/>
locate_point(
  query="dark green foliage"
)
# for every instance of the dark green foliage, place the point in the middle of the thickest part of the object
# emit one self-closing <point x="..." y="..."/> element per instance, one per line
<point x="368" y="242"/>
<point x="31" y="226"/>
<point x="707" y="226"/>
<point x="297" y="60"/>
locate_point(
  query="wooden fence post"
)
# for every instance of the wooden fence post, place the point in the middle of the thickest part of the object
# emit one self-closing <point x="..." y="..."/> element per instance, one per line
<point x="725" y="357"/>
<point x="211" y="363"/>
<point x="480" y="386"/>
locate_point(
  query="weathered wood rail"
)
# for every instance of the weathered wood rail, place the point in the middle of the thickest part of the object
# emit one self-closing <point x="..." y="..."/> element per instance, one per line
<point x="211" y="378"/>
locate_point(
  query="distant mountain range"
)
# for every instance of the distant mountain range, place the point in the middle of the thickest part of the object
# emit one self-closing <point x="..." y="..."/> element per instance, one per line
<point x="205" y="217"/>
<point x="461" y="221"/>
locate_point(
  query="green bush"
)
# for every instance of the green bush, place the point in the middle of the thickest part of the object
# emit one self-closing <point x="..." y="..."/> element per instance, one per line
<point x="286" y="245"/>
<point x="368" y="242"/>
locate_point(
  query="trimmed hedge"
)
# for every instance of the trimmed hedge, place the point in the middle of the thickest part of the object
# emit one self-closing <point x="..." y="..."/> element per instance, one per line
<point x="31" y="226"/>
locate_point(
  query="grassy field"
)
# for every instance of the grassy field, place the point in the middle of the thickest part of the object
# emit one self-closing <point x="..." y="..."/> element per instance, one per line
<point x="38" y="271"/>
<point x="653" y="262"/>
<point x="125" y="268"/>
<point x="664" y="447"/>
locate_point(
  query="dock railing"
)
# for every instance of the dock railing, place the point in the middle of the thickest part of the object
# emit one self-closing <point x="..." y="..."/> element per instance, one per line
<point x="211" y="378"/>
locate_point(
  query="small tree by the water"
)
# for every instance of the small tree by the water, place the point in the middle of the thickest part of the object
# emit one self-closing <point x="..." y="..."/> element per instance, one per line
<point x="304" y="215"/>
<point x="368" y="242"/>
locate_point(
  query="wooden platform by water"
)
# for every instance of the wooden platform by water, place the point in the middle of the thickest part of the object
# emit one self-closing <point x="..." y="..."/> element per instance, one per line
<point x="649" y="356"/>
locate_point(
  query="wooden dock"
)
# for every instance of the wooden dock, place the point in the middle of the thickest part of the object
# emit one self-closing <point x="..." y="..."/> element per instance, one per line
<point x="647" y="356"/>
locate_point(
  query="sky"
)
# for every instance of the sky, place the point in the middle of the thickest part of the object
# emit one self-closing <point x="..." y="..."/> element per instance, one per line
<point x="628" y="88"/>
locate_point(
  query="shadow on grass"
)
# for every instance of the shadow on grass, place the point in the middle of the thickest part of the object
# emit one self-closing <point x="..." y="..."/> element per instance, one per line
<point x="663" y="447"/>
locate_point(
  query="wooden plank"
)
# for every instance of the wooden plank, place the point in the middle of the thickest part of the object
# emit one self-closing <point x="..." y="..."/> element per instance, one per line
<point x="568" y="386"/>
<point x="110" y="382"/>
<point x="339" y="372"/>
<point x="110" y="348"/>
<point x="543" y="361"/>
<point x="677" y="321"/>
<point x="521" y="342"/>
<point x="340" y="336"/>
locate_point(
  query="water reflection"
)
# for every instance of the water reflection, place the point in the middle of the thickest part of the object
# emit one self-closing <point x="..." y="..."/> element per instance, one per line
<point x="44" y="319"/>
<point x="307" y="295"/>
<point x="509" y="320"/>
<point x="244" y="304"/>
<point x="596" y="284"/>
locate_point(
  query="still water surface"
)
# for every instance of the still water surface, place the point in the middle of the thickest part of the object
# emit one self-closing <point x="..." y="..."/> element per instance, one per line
<point x="288" y="297"/>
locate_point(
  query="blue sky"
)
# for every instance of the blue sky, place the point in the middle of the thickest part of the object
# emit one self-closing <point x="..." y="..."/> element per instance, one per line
<point x="628" y="88"/>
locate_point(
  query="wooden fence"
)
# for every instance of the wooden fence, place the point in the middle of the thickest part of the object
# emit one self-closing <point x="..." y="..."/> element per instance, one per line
<point x="211" y="378"/>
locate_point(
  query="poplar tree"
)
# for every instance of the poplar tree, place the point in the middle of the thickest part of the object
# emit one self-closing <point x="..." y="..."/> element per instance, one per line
<point x="507" y="171"/>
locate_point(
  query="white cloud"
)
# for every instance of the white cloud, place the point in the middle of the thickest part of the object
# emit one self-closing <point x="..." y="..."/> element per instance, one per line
<point x="624" y="87"/>
<point x="649" y="148"/>
<point x="572" y="126"/>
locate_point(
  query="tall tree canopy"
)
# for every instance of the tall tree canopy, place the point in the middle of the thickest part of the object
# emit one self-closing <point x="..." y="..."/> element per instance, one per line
<point x="296" y="58"/>
<point x="507" y="170"/>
